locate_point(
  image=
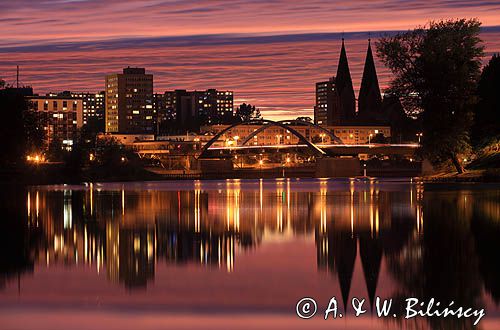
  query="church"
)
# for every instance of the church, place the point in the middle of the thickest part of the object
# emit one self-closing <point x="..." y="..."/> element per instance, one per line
<point x="336" y="103"/>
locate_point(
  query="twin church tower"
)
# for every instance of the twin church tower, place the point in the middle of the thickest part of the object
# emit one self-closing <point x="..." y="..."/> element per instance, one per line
<point x="336" y="101"/>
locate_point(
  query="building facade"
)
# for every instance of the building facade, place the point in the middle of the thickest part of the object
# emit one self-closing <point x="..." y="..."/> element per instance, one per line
<point x="129" y="102"/>
<point x="60" y="117"/>
<point x="93" y="103"/>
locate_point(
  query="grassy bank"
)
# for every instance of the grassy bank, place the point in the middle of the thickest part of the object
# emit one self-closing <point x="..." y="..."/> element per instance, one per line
<point x="482" y="175"/>
<point x="485" y="168"/>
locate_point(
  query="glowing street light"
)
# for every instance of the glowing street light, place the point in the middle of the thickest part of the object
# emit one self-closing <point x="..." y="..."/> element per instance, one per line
<point x="369" y="138"/>
<point x="35" y="158"/>
<point x="419" y="135"/>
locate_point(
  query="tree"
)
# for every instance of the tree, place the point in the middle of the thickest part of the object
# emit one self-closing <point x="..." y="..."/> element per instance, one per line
<point x="379" y="138"/>
<point x="56" y="151"/>
<point x="247" y="112"/>
<point x="19" y="131"/>
<point x="486" y="130"/>
<point x="34" y="133"/>
<point x="436" y="70"/>
<point x="306" y="119"/>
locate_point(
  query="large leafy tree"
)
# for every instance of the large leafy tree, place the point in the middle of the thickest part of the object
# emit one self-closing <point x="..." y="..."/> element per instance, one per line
<point x="486" y="131"/>
<point x="247" y="112"/>
<point x="436" y="69"/>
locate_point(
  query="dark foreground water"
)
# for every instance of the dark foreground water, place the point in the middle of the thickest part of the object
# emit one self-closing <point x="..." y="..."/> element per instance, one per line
<point x="240" y="254"/>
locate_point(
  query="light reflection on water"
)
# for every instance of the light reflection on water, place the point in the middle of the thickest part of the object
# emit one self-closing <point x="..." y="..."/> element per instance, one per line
<point x="248" y="246"/>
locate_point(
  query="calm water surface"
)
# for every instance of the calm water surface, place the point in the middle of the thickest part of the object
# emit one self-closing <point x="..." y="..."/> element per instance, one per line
<point x="240" y="253"/>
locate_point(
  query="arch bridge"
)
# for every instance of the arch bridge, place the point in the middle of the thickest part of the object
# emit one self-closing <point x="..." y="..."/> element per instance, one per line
<point x="265" y="123"/>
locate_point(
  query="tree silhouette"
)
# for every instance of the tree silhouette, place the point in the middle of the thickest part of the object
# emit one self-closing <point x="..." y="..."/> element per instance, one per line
<point x="486" y="130"/>
<point x="436" y="70"/>
<point x="19" y="131"/>
<point x="246" y="112"/>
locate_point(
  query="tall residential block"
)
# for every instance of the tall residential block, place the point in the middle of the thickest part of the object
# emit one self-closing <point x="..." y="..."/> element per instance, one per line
<point x="182" y="110"/>
<point x="129" y="102"/>
<point x="327" y="109"/>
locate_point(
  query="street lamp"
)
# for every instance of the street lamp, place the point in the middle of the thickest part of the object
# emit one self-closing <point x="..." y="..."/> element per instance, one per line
<point x="419" y="135"/>
<point x="369" y="138"/>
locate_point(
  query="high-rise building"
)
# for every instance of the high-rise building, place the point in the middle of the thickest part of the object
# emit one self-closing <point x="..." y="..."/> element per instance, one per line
<point x="60" y="117"/>
<point x="217" y="106"/>
<point x="326" y="110"/>
<point x="129" y="102"/>
<point x="187" y="110"/>
<point x="369" y="100"/>
<point x="182" y="110"/>
<point x="163" y="104"/>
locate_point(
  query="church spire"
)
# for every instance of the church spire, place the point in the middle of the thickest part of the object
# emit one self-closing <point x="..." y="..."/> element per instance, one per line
<point x="345" y="91"/>
<point x="369" y="100"/>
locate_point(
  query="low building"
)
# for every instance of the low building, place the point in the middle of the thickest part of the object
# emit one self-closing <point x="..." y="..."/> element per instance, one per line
<point x="60" y="117"/>
<point x="275" y="135"/>
<point x="360" y="134"/>
<point x="93" y="103"/>
<point x="127" y="139"/>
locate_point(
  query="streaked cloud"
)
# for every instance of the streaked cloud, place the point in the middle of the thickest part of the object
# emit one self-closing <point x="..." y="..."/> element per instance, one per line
<point x="269" y="52"/>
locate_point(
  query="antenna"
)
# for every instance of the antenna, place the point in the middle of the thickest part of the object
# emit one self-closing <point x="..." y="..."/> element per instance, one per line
<point x="17" y="76"/>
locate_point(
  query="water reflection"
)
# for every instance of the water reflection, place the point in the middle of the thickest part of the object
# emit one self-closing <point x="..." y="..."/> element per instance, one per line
<point x="126" y="230"/>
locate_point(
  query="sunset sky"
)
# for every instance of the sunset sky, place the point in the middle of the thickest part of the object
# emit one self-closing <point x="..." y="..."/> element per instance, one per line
<point x="269" y="52"/>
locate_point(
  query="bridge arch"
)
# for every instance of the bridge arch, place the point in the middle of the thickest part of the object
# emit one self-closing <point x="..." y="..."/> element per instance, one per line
<point x="266" y="123"/>
<point x="332" y="136"/>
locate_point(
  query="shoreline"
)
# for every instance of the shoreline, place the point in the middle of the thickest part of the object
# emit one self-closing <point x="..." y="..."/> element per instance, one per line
<point x="48" y="175"/>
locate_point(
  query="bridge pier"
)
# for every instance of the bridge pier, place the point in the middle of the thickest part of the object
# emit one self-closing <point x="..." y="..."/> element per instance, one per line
<point x="329" y="167"/>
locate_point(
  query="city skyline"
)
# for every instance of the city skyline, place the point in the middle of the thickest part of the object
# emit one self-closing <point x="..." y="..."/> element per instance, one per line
<point x="273" y="64"/>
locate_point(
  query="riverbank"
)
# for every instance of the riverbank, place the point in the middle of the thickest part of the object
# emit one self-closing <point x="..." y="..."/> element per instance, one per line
<point x="484" y="175"/>
<point x="58" y="173"/>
